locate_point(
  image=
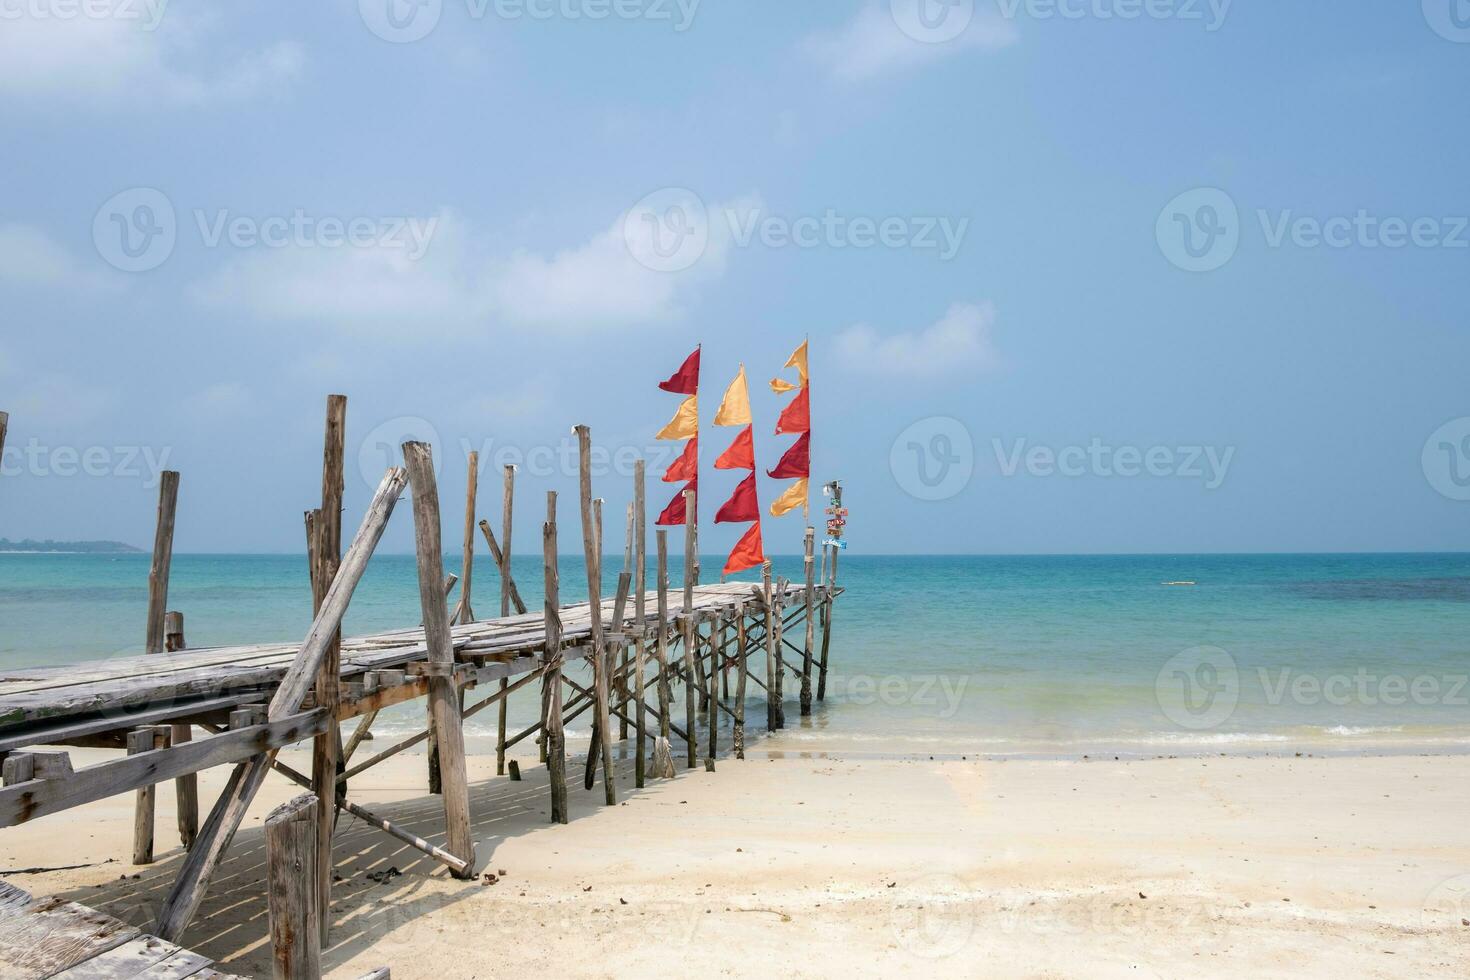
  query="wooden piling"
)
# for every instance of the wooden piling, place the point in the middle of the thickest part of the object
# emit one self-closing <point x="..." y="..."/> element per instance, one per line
<point x="145" y="739"/>
<point x="443" y="696"/>
<point x="507" y="508"/>
<point x="663" y="757"/>
<point x="466" y="612"/>
<point x="592" y="550"/>
<point x="806" y="656"/>
<point x="740" y="668"/>
<point x="772" y="678"/>
<point x="717" y="653"/>
<point x="326" y="750"/>
<point x="827" y="625"/>
<point x="689" y="627"/>
<point x="552" y="725"/>
<point x="186" y="788"/>
<point x="291" y="896"/>
<point x="640" y="585"/>
<point x="622" y="668"/>
<point x="163" y="550"/>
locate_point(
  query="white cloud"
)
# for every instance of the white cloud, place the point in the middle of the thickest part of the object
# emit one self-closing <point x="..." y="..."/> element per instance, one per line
<point x="959" y="341"/>
<point x="459" y="285"/>
<point x="107" y="52"/>
<point x="30" y="257"/>
<point x="873" y="43"/>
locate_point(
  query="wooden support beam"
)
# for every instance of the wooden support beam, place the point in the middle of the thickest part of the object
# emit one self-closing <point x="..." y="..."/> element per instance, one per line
<point x="186" y="788"/>
<point x="326" y="752"/>
<point x="229" y="811"/>
<point x="827" y="625"/>
<point x="592" y="551"/>
<point x="772" y="678"/>
<point x="741" y="671"/>
<point x="495" y="556"/>
<point x="717" y="653"/>
<point x="466" y="613"/>
<point x="163" y="549"/>
<point x="443" y="697"/>
<point x="506" y="511"/>
<point x="640" y="611"/>
<point x="687" y="617"/>
<point x="809" y="564"/>
<point x="555" y="742"/>
<point x="142" y="740"/>
<point x="291" y="889"/>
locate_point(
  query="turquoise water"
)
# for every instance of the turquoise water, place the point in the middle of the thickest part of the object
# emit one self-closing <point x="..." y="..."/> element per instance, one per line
<point x="987" y="655"/>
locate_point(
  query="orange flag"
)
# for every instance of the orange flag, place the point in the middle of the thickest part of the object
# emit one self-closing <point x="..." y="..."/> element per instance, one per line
<point x="748" y="552"/>
<point x="735" y="409"/>
<point x="794" y="497"/>
<point x="685" y="423"/>
<point x="796" y="417"/>
<point x="740" y="455"/>
<point x="686" y="467"/>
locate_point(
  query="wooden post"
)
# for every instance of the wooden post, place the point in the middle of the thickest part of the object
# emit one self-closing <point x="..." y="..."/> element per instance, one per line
<point x="640" y="560"/>
<point x="244" y="782"/>
<point x="291" y="867"/>
<point x="466" y="613"/>
<point x="827" y="625"/>
<point x="740" y="681"/>
<point x="592" y="549"/>
<point x="158" y="574"/>
<point x="690" y="670"/>
<point x="717" y="652"/>
<point x="505" y="580"/>
<point x="771" y="678"/>
<point x="4" y="424"/>
<point x="555" y="741"/>
<point x="663" y="757"/>
<point x="186" y="788"/>
<point x="163" y="550"/>
<point x="443" y="695"/>
<point x="806" y="656"/>
<point x="326" y="749"/>
<point x="145" y="739"/>
<point x="622" y="663"/>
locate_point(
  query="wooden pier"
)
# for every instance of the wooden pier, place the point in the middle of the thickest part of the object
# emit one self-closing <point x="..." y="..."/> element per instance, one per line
<point x="174" y="712"/>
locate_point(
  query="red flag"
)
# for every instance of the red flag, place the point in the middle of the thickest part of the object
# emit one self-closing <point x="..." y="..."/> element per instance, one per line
<point x="796" y="417"/>
<point x="741" y="506"/>
<point x="797" y="462"/>
<point x="748" y="552"/>
<point x="686" y="467"/>
<point x="684" y="381"/>
<point x="674" y="513"/>
<point x="740" y="455"/>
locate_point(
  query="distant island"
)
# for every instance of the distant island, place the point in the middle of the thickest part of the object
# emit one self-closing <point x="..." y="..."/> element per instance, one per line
<point x="48" y="546"/>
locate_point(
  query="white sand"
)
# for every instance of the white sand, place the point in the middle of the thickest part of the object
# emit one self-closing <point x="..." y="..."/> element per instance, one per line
<point x="1346" y="867"/>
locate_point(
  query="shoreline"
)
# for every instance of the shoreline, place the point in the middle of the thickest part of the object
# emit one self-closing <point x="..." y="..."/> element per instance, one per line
<point x="1202" y="867"/>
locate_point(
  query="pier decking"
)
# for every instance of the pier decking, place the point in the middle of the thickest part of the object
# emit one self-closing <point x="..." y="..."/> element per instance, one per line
<point x="176" y="712"/>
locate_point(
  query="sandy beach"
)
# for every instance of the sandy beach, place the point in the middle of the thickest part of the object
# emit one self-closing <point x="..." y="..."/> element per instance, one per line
<point x="1355" y="866"/>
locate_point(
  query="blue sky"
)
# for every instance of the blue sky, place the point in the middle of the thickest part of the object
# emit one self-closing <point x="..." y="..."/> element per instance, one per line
<point x="1151" y="277"/>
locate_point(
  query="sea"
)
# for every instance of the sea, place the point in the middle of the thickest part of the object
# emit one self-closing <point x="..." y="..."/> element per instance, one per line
<point x="944" y="656"/>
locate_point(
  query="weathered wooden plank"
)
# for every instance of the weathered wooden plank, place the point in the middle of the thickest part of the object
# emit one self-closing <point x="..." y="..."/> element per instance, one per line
<point x="143" y="957"/>
<point x="53" y="935"/>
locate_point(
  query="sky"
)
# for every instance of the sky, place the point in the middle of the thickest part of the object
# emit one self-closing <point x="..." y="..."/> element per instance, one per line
<point x="1079" y="276"/>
